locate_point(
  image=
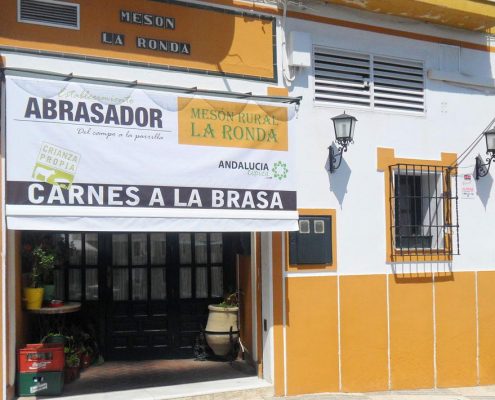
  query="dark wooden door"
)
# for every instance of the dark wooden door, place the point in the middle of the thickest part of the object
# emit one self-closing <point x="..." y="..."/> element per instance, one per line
<point x="158" y="287"/>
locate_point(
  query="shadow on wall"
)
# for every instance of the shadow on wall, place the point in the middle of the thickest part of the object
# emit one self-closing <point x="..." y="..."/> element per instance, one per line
<point x="339" y="179"/>
<point x="483" y="188"/>
<point x="421" y="272"/>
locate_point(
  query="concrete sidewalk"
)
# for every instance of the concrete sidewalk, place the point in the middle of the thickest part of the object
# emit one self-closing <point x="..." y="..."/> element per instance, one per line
<point x="464" y="393"/>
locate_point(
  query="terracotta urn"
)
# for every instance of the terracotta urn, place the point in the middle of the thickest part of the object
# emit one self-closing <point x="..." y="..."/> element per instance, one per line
<point x="220" y="321"/>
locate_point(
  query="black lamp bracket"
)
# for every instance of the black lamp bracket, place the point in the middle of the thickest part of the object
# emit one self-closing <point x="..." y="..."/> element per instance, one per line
<point x="332" y="155"/>
<point x="481" y="168"/>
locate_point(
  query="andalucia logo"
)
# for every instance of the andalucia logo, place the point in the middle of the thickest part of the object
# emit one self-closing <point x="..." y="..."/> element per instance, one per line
<point x="280" y="170"/>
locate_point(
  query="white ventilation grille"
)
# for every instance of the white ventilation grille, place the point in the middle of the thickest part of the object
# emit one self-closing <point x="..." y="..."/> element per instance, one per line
<point x="49" y="12"/>
<point x="362" y="80"/>
<point x="342" y="77"/>
<point x="398" y="84"/>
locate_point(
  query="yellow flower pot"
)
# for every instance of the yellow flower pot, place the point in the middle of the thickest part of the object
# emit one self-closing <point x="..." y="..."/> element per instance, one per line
<point x="33" y="298"/>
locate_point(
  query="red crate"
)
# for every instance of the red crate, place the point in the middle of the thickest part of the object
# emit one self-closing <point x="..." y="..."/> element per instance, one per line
<point x="40" y="357"/>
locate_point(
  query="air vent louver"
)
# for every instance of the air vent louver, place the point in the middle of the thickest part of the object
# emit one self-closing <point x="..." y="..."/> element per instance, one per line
<point x="342" y="77"/>
<point x="356" y="79"/>
<point x="48" y="12"/>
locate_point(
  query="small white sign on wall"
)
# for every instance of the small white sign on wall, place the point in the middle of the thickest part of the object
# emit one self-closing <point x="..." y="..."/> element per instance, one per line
<point x="467" y="186"/>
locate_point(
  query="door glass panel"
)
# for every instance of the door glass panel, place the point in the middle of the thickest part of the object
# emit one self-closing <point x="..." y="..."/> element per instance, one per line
<point x="120" y="284"/>
<point x="58" y="280"/>
<point x="75" y="246"/>
<point x="185" y="248"/>
<point x="91" y="284"/>
<point x="119" y="249"/>
<point x="185" y="283"/>
<point x="201" y="283"/>
<point x="139" y="250"/>
<point x="216" y="248"/>
<point x="91" y="248"/>
<point x="158" y="248"/>
<point x="200" y="253"/>
<point x="216" y="281"/>
<point x="74" y="284"/>
<point x="139" y="284"/>
<point x="158" y="284"/>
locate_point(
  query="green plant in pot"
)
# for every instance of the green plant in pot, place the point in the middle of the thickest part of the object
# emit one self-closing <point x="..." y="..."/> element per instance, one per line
<point x="33" y="293"/>
<point x="46" y="259"/>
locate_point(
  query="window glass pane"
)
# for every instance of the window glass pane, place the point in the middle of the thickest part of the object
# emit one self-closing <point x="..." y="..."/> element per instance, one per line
<point x="139" y="249"/>
<point x="200" y="248"/>
<point x="216" y="248"/>
<point x="216" y="281"/>
<point x="58" y="280"/>
<point x="201" y="283"/>
<point x="120" y="278"/>
<point x="185" y="248"/>
<point x="319" y="226"/>
<point x="91" y="284"/>
<point x="158" y="283"/>
<point x="74" y="284"/>
<point x="139" y="284"/>
<point x="185" y="284"/>
<point x="304" y="226"/>
<point x="119" y="249"/>
<point x="158" y="248"/>
<point x="75" y="246"/>
<point x="61" y="250"/>
<point x="91" y="249"/>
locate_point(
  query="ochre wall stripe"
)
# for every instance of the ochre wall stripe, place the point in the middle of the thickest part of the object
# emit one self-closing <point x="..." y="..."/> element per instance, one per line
<point x="278" y="320"/>
<point x="455" y="308"/>
<point x="411" y="331"/>
<point x="312" y="335"/>
<point x="361" y="26"/>
<point x="364" y="337"/>
<point x="486" y="321"/>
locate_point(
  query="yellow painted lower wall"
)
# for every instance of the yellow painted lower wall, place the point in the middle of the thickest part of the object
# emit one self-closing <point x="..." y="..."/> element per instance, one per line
<point x="455" y="305"/>
<point x="411" y="332"/>
<point x="396" y="332"/>
<point x="486" y="322"/>
<point x="364" y="341"/>
<point x="312" y="335"/>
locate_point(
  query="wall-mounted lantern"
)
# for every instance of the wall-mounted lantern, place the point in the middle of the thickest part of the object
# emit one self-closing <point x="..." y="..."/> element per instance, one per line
<point x="344" y="125"/>
<point x="483" y="168"/>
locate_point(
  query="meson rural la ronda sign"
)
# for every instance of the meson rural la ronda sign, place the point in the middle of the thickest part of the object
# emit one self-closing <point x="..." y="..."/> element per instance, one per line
<point x="86" y="148"/>
<point x="155" y="34"/>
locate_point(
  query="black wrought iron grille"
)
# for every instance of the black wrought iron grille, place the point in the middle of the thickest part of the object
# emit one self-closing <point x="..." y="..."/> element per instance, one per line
<point x="423" y="211"/>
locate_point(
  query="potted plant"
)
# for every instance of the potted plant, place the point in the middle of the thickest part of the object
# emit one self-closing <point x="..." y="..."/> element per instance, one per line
<point x="222" y="328"/>
<point x="33" y="293"/>
<point x="45" y="260"/>
<point x="72" y="363"/>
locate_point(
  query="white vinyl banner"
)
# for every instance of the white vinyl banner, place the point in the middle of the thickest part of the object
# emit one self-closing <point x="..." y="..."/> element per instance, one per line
<point x="105" y="158"/>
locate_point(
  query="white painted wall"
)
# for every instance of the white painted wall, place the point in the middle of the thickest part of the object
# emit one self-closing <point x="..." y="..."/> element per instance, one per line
<point x="454" y="116"/>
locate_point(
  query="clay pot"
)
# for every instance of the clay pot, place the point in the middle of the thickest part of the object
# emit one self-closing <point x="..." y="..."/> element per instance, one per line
<point x="34" y="298"/>
<point x="221" y="320"/>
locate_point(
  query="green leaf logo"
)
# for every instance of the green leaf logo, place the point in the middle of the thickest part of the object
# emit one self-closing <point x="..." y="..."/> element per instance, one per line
<point x="280" y="170"/>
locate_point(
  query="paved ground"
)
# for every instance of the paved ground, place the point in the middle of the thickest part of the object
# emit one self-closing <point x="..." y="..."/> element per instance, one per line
<point x="119" y="376"/>
<point x="469" y="393"/>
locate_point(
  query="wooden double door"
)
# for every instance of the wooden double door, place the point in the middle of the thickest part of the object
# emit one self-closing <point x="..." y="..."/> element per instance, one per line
<point x="150" y="290"/>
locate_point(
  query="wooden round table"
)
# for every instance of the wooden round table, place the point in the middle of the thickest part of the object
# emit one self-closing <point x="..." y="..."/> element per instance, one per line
<point x="52" y="319"/>
<point x="65" y="309"/>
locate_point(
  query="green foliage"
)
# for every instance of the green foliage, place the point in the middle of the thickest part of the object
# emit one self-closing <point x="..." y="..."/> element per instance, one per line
<point x="230" y="300"/>
<point x="42" y="265"/>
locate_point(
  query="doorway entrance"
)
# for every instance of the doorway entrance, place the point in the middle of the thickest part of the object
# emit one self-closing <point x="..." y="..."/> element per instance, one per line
<point x="146" y="294"/>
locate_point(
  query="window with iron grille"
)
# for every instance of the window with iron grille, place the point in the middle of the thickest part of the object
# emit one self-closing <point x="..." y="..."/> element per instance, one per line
<point x="423" y="208"/>
<point x="369" y="81"/>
